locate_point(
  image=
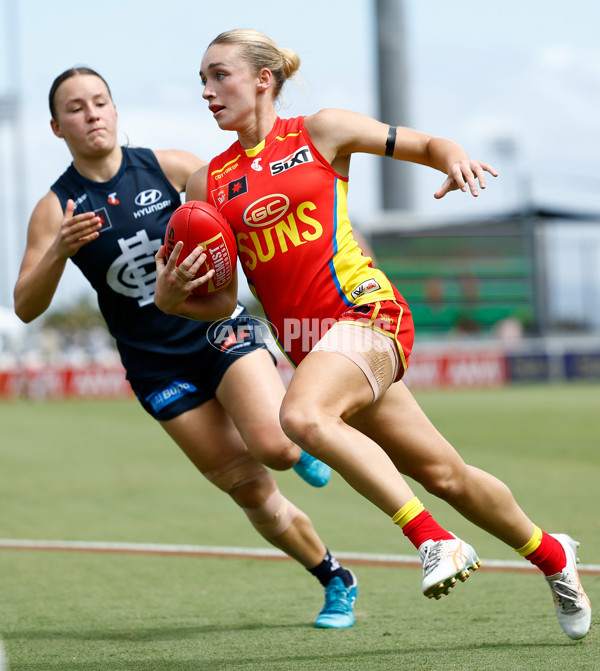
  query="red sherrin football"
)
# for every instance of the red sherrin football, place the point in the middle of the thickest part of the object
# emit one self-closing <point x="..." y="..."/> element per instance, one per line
<point x="198" y="223"/>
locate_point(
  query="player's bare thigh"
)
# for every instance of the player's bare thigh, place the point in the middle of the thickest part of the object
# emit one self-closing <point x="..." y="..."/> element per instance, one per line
<point x="207" y="435"/>
<point x="328" y="384"/>
<point x="348" y="360"/>
<point x="399" y="425"/>
<point x="251" y="391"/>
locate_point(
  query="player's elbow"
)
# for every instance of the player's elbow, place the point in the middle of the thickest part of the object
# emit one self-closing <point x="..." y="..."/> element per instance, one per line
<point x="224" y="302"/>
<point x="25" y="310"/>
<point x="26" y="316"/>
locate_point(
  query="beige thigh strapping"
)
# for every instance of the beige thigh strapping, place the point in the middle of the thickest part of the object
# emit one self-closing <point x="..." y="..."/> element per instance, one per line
<point x="373" y="352"/>
<point x="236" y="473"/>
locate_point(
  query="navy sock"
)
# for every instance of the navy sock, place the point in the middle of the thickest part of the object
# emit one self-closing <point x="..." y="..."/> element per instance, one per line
<point x="330" y="568"/>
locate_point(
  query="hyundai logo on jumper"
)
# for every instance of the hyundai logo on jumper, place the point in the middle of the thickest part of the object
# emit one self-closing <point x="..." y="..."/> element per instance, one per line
<point x="236" y="334"/>
<point x="148" y="197"/>
<point x="148" y="202"/>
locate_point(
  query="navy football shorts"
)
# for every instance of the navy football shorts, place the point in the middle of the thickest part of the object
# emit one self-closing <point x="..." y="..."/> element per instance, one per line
<point x="170" y="394"/>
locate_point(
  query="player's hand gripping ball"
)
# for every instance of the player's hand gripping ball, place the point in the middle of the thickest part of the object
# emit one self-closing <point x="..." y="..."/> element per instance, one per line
<point x="199" y="223"/>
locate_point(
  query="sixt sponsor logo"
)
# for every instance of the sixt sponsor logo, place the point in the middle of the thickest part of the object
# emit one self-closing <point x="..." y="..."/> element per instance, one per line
<point x="299" y="157"/>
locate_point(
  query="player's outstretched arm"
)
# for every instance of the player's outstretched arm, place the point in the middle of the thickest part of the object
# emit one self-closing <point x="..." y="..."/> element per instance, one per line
<point x="338" y="134"/>
<point x="52" y="238"/>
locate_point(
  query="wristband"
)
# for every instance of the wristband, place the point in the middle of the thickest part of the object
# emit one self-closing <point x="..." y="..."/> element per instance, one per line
<point x="390" y="143"/>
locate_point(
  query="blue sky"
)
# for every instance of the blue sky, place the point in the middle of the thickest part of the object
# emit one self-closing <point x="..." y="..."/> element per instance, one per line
<point x="526" y="74"/>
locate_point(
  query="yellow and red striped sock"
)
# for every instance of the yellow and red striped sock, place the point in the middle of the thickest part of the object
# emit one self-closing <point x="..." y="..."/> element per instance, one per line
<point x="545" y="552"/>
<point x="418" y="524"/>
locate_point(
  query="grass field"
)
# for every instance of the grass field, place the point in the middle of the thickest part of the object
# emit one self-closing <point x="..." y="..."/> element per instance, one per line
<point x="103" y="471"/>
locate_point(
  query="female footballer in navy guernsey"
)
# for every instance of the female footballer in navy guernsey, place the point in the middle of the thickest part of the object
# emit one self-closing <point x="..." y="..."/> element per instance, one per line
<point x="108" y="213"/>
<point x="346" y="402"/>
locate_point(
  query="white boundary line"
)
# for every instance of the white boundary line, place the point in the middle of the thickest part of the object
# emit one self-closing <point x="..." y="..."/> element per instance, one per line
<point x="259" y="553"/>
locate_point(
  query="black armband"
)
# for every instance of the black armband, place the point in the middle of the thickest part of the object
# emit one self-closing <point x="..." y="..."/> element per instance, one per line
<point x="390" y="143"/>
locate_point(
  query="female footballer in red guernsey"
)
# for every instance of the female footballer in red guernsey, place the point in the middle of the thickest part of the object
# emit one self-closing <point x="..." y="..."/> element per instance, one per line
<point x="282" y="185"/>
<point x="184" y="377"/>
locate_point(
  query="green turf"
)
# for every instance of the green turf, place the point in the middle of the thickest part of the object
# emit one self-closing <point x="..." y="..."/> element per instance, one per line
<point x="68" y="612"/>
<point x="104" y="471"/>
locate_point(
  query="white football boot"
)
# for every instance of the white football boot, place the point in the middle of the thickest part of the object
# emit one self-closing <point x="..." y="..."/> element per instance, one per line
<point x="573" y="608"/>
<point x="443" y="563"/>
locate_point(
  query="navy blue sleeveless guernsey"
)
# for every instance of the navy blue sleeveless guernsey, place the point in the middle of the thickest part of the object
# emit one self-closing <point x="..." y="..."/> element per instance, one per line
<point x="135" y="206"/>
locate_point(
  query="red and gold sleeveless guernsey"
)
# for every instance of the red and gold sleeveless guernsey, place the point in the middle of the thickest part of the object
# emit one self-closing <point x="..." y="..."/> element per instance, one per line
<point x="288" y="209"/>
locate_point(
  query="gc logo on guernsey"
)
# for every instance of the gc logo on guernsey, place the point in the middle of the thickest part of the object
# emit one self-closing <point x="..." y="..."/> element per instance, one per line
<point x="296" y="229"/>
<point x="266" y="210"/>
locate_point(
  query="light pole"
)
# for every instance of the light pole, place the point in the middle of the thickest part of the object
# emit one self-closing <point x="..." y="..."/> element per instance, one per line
<point x="396" y="179"/>
<point x="12" y="167"/>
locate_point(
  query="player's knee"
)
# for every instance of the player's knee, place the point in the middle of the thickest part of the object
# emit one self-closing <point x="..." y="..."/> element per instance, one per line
<point x="441" y="480"/>
<point x="301" y="425"/>
<point x="283" y="459"/>
<point x="273" y="448"/>
<point x="273" y="515"/>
